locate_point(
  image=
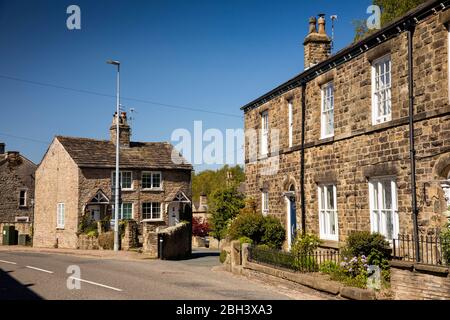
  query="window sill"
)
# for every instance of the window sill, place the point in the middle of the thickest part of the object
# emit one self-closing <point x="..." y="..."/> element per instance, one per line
<point x="328" y="138"/>
<point x="152" y="220"/>
<point x="328" y="243"/>
<point x="60" y="229"/>
<point x="154" y="189"/>
<point x="127" y="190"/>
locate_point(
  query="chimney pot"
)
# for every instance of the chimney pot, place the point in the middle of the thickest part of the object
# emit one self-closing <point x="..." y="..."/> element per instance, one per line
<point x="312" y="25"/>
<point x="322" y="23"/>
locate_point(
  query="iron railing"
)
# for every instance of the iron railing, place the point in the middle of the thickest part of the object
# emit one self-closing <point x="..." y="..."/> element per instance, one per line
<point x="433" y="250"/>
<point x="306" y="262"/>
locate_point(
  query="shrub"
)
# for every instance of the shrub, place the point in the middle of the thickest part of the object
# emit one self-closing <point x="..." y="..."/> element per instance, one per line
<point x="92" y="233"/>
<point x="365" y="243"/>
<point x="223" y="256"/>
<point x="106" y="240"/>
<point x="243" y="240"/>
<point x="247" y="225"/>
<point x="200" y="227"/>
<point x="329" y="267"/>
<point x="445" y="240"/>
<point x="274" y="233"/>
<point x="305" y="244"/>
<point x="260" y="229"/>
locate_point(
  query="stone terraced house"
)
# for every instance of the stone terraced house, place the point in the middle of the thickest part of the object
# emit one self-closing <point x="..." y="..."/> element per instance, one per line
<point x="76" y="176"/>
<point x="17" y="191"/>
<point x="338" y="134"/>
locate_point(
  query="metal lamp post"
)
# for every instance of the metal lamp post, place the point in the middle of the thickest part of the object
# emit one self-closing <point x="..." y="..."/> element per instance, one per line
<point x="116" y="192"/>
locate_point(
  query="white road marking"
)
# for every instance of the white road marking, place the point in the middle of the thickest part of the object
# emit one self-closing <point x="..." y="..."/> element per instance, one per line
<point x="8" y="262"/>
<point x="39" y="269"/>
<point x="96" y="284"/>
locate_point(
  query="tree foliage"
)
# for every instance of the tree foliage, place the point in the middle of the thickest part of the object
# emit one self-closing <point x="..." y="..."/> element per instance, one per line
<point x="390" y="10"/>
<point x="260" y="229"/>
<point x="225" y="204"/>
<point x="209" y="181"/>
<point x="200" y="227"/>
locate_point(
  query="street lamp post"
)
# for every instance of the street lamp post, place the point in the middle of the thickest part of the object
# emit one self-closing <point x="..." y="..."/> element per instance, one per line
<point x="116" y="189"/>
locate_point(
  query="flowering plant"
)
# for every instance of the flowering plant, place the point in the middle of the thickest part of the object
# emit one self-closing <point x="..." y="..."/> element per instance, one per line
<point x="355" y="267"/>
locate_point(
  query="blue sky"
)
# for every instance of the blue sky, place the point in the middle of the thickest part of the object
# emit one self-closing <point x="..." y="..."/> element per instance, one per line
<point x="214" y="55"/>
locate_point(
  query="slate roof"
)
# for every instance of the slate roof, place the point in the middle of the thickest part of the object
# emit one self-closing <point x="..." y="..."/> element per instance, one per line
<point x="140" y="155"/>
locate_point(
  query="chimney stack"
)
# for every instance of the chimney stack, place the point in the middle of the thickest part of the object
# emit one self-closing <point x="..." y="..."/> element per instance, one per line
<point x="124" y="130"/>
<point x="317" y="44"/>
<point x="2" y="148"/>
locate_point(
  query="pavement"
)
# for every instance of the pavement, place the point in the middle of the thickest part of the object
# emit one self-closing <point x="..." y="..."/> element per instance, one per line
<point x="55" y="274"/>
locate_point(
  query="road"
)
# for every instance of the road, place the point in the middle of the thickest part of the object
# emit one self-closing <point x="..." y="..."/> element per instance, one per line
<point x="33" y="275"/>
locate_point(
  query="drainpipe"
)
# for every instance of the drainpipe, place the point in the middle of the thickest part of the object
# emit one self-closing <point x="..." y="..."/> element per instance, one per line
<point x="302" y="160"/>
<point x="412" y="151"/>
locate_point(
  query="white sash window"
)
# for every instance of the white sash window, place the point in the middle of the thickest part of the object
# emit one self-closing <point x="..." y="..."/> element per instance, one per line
<point x="381" y="90"/>
<point x="383" y="207"/>
<point x="328" y="221"/>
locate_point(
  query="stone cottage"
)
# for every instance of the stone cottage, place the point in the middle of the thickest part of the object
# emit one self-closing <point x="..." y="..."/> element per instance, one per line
<point x="17" y="191"/>
<point x="333" y="152"/>
<point x="75" y="178"/>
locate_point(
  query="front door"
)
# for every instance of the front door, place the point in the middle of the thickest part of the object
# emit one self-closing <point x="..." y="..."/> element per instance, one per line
<point x="292" y="219"/>
<point x="95" y="213"/>
<point x="174" y="214"/>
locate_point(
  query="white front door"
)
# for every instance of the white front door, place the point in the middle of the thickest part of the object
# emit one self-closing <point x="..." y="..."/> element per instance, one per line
<point x="174" y="214"/>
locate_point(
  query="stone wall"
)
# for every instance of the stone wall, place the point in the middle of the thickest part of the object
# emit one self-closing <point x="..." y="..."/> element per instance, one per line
<point x="16" y="174"/>
<point x="130" y="236"/>
<point x="87" y="243"/>
<point x="359" y="150"/>
<point x="176" y="242"/>
<point x="56" y="182"/>
<point x="411" y="281"/>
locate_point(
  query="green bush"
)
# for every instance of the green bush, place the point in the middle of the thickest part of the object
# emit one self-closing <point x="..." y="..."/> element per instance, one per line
<point x="445" y="239"/>
<point x="260" y="229"/>
<point x="92" y="233"/>
<point x="247" y="225"/>
<point x="329" y="267"/>
<point x="274" y="233"/>
<point x="365" y="243"/>
<point x="243" y="240"/>
<point x="223" y="256"/>
<point x="305" y="244"/>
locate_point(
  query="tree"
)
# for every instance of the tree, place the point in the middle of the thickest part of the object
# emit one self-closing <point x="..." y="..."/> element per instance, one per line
<point x="209" y="181"/>
<point x="390" y="10"/>
<point x="225" y="205"/>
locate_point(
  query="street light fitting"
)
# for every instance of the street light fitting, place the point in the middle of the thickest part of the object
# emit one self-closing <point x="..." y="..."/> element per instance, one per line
<point x="114" y="62"/>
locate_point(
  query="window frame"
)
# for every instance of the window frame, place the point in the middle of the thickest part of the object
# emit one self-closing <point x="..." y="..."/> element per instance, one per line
<point x="151" y="213"/>
<point x="325" y="226"/>
<point x="381" y="218"/>
<point x="25" y="198"/>
<point x="152" y="188"/>
<point x="60" y="223"/>
<point x="376" y="118"/>
<point x="264" y="146"/>
<point x="121" y="210"/>
<point x="265" y="202"/>
<point x="323" y="113"/>
<point x="113" y="179"/>
<point x="290" y="122"/>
